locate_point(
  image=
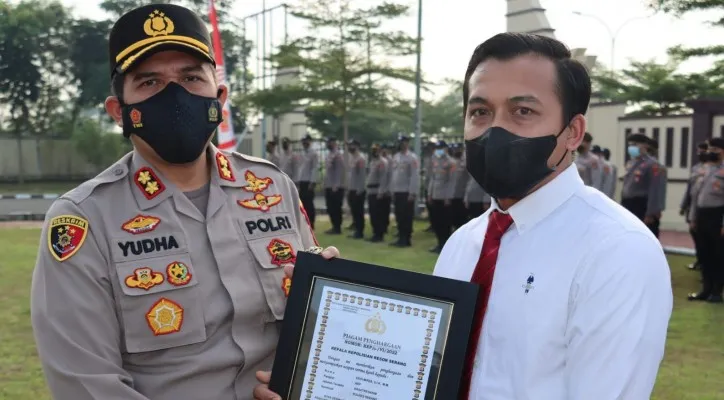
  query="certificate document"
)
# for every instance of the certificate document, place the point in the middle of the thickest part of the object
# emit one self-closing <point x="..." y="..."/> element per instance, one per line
<point x="367" y="346"/>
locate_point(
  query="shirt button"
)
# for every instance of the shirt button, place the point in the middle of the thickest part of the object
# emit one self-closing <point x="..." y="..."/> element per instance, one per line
<point x="118" y="171"/>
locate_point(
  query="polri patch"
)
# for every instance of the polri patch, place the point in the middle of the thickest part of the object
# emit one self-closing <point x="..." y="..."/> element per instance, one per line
<point x="261" y="202"/>
<point x="141" y="224"/>
<point x="281" y="252"/>
<point x="165" y="317"/>
<point x="144" y="278"/>
<point x="66" y="234"/>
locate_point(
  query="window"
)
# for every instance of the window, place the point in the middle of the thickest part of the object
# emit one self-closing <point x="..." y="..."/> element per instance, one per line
<point x="626" y="133"/>
<point x="721" y="130"/>
<point x="684" y="156"/>
<point x="669" y="147"/>
<point x="655" y="135"/>
<point x="642" y="131"/>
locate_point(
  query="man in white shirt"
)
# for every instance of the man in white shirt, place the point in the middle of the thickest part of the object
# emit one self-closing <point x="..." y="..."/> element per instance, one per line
<point x="580" y="298"/>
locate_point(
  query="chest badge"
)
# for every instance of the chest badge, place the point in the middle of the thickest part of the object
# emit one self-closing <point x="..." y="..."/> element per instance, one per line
<point x="255" y="184"/>
<point x="141" y="224"/>
<point x="281" y="252"/>
<point x="224" y="166"/>
<point x="178" y="274"/>
<point x="66" y="234"/>
<point x="261" y="202"/>
<point x="144" y="278"/>
<point x="529" y="284"/>
<point x="165" y="317"/>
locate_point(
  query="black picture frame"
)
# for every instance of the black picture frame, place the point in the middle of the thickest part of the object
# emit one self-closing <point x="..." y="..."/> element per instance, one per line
<point x="295" y="332"/>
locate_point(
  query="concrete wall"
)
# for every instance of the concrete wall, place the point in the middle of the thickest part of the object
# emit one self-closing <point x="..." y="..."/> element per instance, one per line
<point x="42" y="159"/>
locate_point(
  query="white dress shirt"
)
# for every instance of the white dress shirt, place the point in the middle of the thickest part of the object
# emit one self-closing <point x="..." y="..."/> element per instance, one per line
<point x="592" y="322"/>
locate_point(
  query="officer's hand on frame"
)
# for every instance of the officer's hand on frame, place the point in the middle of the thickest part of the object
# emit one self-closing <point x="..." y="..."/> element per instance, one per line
<point x="328" y="254"/>
<point x="261" y="391"/>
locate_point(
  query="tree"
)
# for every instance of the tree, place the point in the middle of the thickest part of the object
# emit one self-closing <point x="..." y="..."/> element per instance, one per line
<point x="657" y="89"/>
<point x="444" y="116"/>
<point x="340" y="72"/>
<point x="33" y="65"/>
<point x="99" y="148"/>
<point x="714" y="8"/>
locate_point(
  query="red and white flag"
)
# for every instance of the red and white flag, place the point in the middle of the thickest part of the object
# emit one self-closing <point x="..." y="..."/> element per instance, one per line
<point x="227" y="140"/>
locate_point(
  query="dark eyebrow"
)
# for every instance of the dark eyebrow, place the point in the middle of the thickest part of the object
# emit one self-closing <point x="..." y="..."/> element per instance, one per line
<point x="477" y="100"/>
<point x="524" y="99"/>
<point x="193" y="68"/>
<point x="143" y="75"/>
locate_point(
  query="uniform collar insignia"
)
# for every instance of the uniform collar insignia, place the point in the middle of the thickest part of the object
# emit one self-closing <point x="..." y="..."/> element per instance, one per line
<point x="148" y="183"/>
<point x="224" y="166"/>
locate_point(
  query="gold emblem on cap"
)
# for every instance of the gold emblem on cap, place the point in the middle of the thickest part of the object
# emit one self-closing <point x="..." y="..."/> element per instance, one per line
<point x="158" y="24"/>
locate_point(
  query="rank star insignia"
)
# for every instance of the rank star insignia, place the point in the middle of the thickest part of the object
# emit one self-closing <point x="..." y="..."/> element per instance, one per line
<point x="144" y="278"/>
<point x="261" y="202"/>
<point x="66" y="234"/>
<point x="286" y="286"/>
<point x="281" y="252"/>
<point x="254" y="184"/>
<point x="141" y="224"/>
<point x="223" y="164"/>
<point x="148" y="182"/>
<point x="178" y="273"/>
<point x="165" y="317"/>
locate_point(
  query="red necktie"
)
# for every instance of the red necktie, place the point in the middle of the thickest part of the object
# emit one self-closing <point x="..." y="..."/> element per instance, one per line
<point x="498" y="223"/>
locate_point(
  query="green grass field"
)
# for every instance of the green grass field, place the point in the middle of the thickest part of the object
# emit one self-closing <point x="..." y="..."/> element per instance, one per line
<point x="693" y="368"/>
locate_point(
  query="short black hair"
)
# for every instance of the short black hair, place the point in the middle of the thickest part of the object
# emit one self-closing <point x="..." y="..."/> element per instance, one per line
<point x="574" y="82"/>
<point x="606" y="154"/>
<point x="702" y="146"/>
<point x="717" y="142"/>
<point x="117" y="86"/>
<point x="587" y="138"/>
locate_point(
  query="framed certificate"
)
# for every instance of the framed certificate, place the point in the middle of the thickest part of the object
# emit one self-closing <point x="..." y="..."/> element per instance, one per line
<point x="359" y="331"/>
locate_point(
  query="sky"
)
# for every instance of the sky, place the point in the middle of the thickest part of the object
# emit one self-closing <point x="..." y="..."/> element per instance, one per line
<point x="453" y="28"/>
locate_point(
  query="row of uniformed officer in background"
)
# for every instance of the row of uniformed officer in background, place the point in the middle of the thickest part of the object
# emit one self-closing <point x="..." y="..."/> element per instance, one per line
<point x="703" y="206"/>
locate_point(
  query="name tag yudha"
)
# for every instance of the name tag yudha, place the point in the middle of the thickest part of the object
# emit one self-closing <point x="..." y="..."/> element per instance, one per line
<point x="148" y="246"/>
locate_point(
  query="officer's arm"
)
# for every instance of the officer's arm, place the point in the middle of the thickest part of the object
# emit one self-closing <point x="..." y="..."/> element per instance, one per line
<point x="597" y="175"/>
<point x="616" y="332"/>
<point x="414" y="187"/>
<point x="686" y="199"/>
<point x="451" y="181"/>
<point x="663" y="179"/>
<point x="315" y="168"/>
<point x="384" y="177"/>
<point x="303" y="223"/>
<point x="339" y="169"/>
<point x="654" y="196"/>
<point x="74" y="319"/>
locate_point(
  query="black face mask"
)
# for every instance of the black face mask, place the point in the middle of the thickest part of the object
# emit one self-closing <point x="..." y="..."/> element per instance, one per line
<point x="508" y="166"/>
<point x="703" y="156"/>
<point x="712" y="157"/>
<point x="174" y="122"/>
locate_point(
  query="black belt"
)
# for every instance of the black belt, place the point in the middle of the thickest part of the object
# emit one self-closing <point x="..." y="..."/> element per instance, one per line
<point x="373" y="186"/>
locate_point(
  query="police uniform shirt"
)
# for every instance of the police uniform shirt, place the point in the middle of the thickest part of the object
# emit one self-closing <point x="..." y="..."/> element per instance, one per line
<point x="591" y="169"/>
<point x="356" y="173"/>
<point x="309" y="170"/>
<point x="460" y="179"/>
<point x="711" y="193"/>
<point x="405" y="173"/>
<point x="442" y="182"/>
<point x="289" y="163"/>
<point x="143" y="292"/>
<point x="377" y="177"/>
<point x="610" y="178"/>
<point x="642" y="179"/>
<point x="334" y="170"/>
<point x="273" y="157"/>
<point x="474" y="193"/>
<point x="576" y="311"/>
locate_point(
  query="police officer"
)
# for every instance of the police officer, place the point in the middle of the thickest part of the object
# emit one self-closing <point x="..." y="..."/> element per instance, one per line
<point x="386" y="202"/>
<point x="377" y="183"/>
<point x="404" y="185"/>
<point x="307" y="177"/>
<point x="696" y="175"/>
<point x="271" y="152"/>
<point x="610" y="179"/>
<point x="289" y="162"/>
<point x="427" y="155"/>
<point x="661" y="185"/>
<point x="333" y="186"/>
<point x="440" y="194"/>
<point x="589" y="165"/>
<point x="640" y="193"/>
<point x="707" y="214"/>
<point x="476" y="200"/>
<point x="356" y="193"/>
<point x="459" y="211"/>
<point x="159" y="278"/>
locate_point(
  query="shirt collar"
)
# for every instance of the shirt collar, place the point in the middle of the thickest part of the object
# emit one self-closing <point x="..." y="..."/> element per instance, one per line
<point x="535" y="207"/>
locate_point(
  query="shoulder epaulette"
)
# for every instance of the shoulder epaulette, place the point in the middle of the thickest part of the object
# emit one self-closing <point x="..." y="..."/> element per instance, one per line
<point x="256" y="160"/>
<point x="114" y="173"/>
